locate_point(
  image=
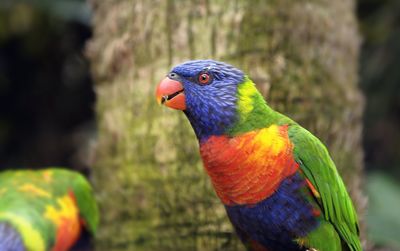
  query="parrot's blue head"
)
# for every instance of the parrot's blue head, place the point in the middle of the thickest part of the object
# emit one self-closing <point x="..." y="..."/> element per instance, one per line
<point x="206" y="90"/>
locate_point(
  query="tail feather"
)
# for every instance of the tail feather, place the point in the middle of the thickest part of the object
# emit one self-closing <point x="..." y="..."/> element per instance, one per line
<point x="10" y="240"/>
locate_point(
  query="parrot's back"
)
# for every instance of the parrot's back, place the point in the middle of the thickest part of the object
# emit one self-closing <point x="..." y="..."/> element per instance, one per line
<point x="44" y="210"/>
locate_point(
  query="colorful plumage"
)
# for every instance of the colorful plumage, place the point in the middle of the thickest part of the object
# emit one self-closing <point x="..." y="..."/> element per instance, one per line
<point x="280" y="188"/>
<point x="44" y="210"/>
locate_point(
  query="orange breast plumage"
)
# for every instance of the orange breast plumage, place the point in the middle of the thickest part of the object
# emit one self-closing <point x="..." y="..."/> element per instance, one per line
<point x="248" y="168"/>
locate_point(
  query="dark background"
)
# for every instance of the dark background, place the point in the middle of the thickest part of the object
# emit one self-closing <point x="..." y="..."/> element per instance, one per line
<point x="47" y="115"/>
<point x="46" y="92"/>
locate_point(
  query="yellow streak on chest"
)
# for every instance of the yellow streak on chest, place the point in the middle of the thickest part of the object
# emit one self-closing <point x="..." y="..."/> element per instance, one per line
<point x="271" y="138"/>
<point x="67" y="210"/>
<point x="265" y="144"/>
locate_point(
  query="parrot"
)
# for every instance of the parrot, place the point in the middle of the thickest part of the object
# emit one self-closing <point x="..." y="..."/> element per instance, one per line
<point x="279" y="186"/>
<point x="45" y="209"/>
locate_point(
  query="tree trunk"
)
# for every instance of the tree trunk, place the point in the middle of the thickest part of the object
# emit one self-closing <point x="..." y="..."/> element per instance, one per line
<point x="152" y="189"/>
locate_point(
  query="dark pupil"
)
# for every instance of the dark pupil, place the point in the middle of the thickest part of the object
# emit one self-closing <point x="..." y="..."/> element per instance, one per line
<point x="204" y="77"/>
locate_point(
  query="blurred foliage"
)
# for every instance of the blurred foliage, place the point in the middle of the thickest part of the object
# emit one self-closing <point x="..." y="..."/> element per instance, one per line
<point x="380" y="81"/>
<point x="46" y="96"/>
<point x="383" y="210"/>
<point x="63" y="10"/>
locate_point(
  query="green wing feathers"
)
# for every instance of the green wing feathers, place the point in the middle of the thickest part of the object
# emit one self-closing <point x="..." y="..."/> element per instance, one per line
<point x="86" y="202"/>
<point x="333" y="198"/>
<point x="38" y="203"/>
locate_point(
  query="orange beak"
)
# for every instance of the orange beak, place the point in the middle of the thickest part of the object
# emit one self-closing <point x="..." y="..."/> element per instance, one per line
<point x="171" y="93"/>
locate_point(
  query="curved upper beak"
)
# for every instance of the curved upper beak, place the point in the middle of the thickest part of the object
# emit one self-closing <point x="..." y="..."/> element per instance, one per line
<point x="171" y="93"/>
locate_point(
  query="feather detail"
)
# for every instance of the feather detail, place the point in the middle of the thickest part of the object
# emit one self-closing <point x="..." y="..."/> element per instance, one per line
<point x="46" y="207"/>
<point x="248" y="168"/>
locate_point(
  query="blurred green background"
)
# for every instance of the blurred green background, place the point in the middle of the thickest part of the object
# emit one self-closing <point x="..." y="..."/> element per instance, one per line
<point x="47" y="98"/>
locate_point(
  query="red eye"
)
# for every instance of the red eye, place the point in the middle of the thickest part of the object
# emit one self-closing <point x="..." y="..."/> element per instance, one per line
<point x="204" y="78"/>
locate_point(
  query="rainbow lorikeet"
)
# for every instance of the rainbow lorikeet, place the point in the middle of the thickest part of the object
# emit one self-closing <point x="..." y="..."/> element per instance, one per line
<point x="280" y="188"/>
<point x="44" y="210"/>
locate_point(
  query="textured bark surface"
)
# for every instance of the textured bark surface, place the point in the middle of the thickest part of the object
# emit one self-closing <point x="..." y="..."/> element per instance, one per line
<point x="152" y="190"/>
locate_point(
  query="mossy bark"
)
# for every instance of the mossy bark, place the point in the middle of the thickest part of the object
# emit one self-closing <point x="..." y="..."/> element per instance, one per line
<point x="152" y="190"/>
